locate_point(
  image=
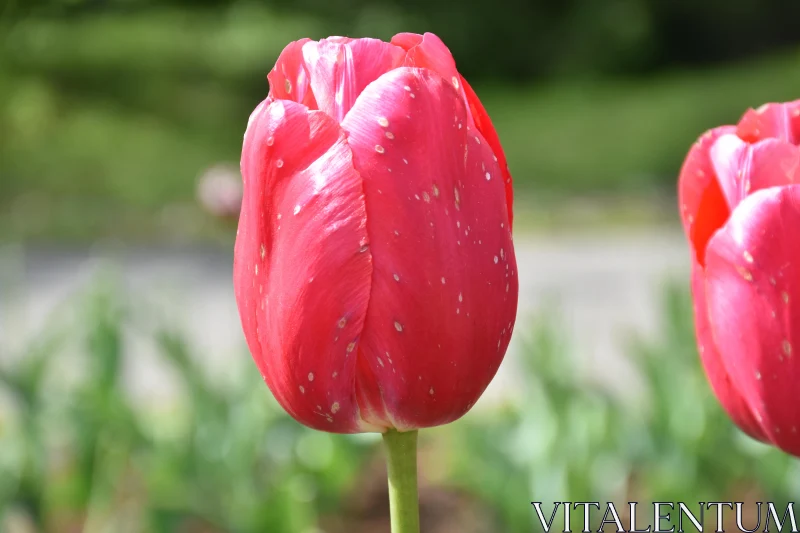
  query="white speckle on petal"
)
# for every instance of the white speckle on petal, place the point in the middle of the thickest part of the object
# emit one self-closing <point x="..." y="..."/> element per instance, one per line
<point x="379" y="149"/>
<point x="396" y="277"/>
<point x="310" y="376"/>
<point x="460" y="297"/>
<point x="488" y="176"/>
<point x="431" y="391"/>
<point x="335" y="408"/>
<point x="302" y="390"/>
<point x="443" y="280"/>
<point x="455" y="82"/>
<point x="426" y="197"/>
<point x="279" y="163"/>
<point x="296" y="209"/>
<point x="398" y="326"/>
<point x="495" y="260"/>
<point x="383" y="122"/>
<point x="435" y="191"/>
<point x="389" y="135"/>
<point x="351" y="347"/>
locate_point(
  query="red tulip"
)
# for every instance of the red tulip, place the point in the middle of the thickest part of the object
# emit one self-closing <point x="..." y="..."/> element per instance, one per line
<point x="374" y="267"/>
<point x="740" y="204"/>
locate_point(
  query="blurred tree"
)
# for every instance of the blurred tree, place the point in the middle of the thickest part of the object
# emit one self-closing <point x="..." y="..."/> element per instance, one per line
<point x="524" y="39"/>
<point x="715" y="30"/>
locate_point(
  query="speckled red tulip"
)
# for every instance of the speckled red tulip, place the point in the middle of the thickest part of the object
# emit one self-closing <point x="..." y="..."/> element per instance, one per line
<point x="740" y="204"/>
<point x="374" y="267"/>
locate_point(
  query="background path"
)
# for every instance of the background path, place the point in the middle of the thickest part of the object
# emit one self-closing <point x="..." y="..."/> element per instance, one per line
<point x="601" y="287"/>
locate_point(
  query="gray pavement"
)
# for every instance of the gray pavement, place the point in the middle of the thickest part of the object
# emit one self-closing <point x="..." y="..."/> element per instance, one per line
<point x="603" y="287"/>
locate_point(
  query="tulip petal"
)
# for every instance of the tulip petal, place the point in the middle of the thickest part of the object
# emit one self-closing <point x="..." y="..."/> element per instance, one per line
<point x="702" y="204"/>
<point x="444" y="289"/>
<point x="730" y="157"/>
<point x="407" y="41"/>
<point x="431" y="53"/>
<point x="340" y="69"/>
<point x="718" y="377"/>
<point x="428" y="51"/>
<point x="484" y="124"/>
<point x="289" y="79"/>
<point x="339" y="39"/>
<point x="771" y="121"/>
<point x="753" y="292"/>
<point x="302" y="269"/>
<point x="743" y="168"/>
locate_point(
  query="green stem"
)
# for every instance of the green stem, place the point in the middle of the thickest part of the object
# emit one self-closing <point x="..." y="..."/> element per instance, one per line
<point x="401" y="461"/>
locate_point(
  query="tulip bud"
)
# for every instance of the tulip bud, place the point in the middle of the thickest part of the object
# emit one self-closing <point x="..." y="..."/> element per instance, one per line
<point x="740" y="204"/>
<point x="374" y="267"/>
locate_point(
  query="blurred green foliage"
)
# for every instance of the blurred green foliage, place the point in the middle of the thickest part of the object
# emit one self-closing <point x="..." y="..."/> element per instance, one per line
<point x="110" y="111"/>
<point x="78" y="454"/>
